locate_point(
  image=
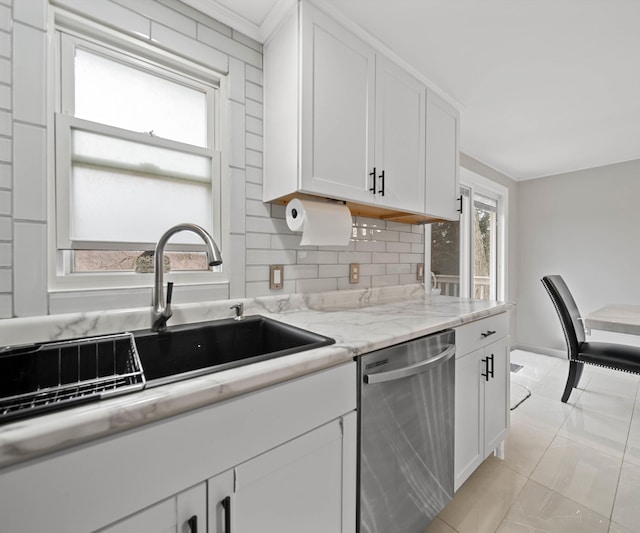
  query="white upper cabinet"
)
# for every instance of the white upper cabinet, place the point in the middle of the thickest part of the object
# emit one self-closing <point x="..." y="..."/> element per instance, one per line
<point x="400" y="138"/>
<point x="344" y="122"/>
<point x="442" y="184"/>
<point x="337" y="109"/>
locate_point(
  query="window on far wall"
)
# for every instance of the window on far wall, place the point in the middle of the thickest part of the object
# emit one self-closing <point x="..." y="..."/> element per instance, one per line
<point x="135" y="154"/>
<point x="467" y="256"/>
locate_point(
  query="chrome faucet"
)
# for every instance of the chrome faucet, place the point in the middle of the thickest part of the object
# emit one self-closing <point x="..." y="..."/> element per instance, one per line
<point x="161" y="311"/>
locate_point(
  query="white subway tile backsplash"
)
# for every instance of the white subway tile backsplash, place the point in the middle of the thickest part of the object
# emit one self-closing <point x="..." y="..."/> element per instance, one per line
<point x="30" y="269"/>
<point x="408" y="279"/>
<point x="266" y="225"/>
<point x="254" y="125"/>
<point x="5" y="203"/>
<point x="333" y="271"/>
<point x="254" y="174"/>
<point x="258" y="241"/>
<point x="5" y="176"/>
<point x="417" y="248"/>
<point x="29" y="173"/>
<point x="237" y="150"/>
<point x="254" y="158"/>
<point x="282" y="241"/>
<point x="6" y="280"/>
<point x="237" y="201"/>
<point x="29" y="74"/>
<point x="404" y="247"/>
<point x="5" y="70"/>
<point x="386" y="235"/>
<point x="370" y="246"/>
<point x="5" y="150"/>
<point x="256" y="273"/>
<point x="373" y="269"/>
<point x="6" y="306"/>
<point x="6" y="228"/>
<point x="254" y="108"/>
<point x="254" y="142"/>
<point x="398" y="268"/>
<point x="6" y="250"/>
<point x="5" y="18"/>
<point x="271" y="257"/>
<point x="254" y="92"/>
<point x="5" y="123"/>
<point x="5" y="44"/>
<point x="236" y="258"/>
<point x="302" y="272"/>
<point x="254" y="191"/>
<point x="317" y="257"/>
<point x="306" y="286"/>
<point x="411" y="258"/>
<point x="385" y="281"/>
<point x="354" y="257"/>
<point x="32" y="12"/>
<point x="411" y="237"/>
<point x="254" y="75"/>
<point x="110" y="14"/>
<point x="384" y="257"/>
<point x="236" y="80"/>
<point x="153" y="10"/>
<point x="190" y="48"/>
<point x="195" y="15"/>
<point x="229" y="46"/>
<point x="257" y="208"/>
<point x="5" y="97"/>
<point x="398" y="226"/>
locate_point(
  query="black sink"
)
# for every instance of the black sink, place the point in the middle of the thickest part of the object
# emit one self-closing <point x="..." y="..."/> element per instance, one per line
<point x="190" y="350"/>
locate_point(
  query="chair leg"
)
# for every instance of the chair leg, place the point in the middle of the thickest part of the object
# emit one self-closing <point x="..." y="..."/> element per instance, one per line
<point x="575" y="372"/>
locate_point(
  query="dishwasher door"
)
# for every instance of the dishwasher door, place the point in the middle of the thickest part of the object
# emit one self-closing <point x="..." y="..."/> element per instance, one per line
<point x="405" y="434"/>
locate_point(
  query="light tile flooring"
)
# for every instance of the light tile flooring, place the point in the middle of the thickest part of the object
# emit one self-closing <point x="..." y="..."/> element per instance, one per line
<point x="568" y="468"/>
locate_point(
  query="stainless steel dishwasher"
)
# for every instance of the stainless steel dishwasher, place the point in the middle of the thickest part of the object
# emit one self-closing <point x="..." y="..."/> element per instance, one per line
<point x="405" y="434"/>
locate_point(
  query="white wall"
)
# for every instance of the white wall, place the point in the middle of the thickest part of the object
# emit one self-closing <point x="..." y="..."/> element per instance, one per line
<point x="585" y="226"/>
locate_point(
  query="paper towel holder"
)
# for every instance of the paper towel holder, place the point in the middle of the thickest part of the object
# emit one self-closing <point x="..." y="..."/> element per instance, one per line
<point x="294" y="211"/>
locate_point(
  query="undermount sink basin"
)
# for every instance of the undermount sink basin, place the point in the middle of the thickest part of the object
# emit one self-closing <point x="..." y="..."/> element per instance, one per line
<point x="190" y="350"/>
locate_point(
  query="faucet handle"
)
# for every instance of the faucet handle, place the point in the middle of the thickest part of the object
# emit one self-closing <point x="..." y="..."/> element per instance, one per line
<point x="169" y="292"/>
<point x="239" y="308"/>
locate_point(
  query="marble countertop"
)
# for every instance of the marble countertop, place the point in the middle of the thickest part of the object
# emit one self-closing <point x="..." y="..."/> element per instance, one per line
<point x="360" y="321"/>
<point x="619" y="318"/>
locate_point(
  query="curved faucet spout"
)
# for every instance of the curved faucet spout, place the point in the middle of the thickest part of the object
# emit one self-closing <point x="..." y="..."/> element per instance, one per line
<point x="161" y="311"/>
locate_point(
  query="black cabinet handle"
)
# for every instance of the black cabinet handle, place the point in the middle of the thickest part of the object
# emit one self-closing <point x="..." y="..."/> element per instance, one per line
<point x="381" y="191"/>
<point x="460" y="208"/>
<point x="373" y="175"/>
<point x="488" y="333"/>
<point x="193" y="524"/>
<point x="490" y="369"/>
<point x="485" y="374"/>
<point x="226" y="505"/>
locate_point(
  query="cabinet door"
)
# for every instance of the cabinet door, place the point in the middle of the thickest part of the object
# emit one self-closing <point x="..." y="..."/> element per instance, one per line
<point x="496" y="395"/>
<point x="183" y="513"/>
<point x="337" y="109"/>
<point x="442" y="184"/>
<point x="400" y="134"/>
<point x="303" y="485"/>
<point x="469" y="442"/>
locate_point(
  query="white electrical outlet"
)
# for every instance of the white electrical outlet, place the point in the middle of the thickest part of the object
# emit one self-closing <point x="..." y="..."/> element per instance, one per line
<point x="420" y="272"/>
<point x="354" y="273"/>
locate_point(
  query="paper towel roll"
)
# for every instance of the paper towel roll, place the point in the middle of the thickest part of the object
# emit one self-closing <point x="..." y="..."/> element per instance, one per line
<point x="321" y="223"/>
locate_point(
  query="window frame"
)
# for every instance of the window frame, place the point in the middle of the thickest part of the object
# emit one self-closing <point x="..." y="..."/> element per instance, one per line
<point x="111" y="44"/>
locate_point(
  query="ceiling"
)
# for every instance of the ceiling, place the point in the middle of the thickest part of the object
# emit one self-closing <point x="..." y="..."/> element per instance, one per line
<point x="543" y="86"/>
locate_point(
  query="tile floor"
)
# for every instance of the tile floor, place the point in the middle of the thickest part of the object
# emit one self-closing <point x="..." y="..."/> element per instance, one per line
<point x="568" y="468"/>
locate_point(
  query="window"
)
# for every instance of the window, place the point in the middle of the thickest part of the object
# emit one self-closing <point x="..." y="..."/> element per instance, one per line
<point x="467" y="257"/>
<point x="135" y="149"/>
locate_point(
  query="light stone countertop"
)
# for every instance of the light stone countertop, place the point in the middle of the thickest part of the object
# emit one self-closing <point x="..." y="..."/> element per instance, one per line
<point x="360" y="321"/>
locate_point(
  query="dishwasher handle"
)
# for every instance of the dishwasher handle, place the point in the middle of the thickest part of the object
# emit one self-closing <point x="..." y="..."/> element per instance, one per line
<point x="411" y="370"/>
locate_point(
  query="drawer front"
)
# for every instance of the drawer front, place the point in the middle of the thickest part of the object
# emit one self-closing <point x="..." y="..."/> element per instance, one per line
<point x="478" y="334"/>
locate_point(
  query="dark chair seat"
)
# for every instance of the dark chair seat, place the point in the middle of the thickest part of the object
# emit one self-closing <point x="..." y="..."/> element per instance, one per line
<point x="580" y="352"/>
<point x="611" y="355"/>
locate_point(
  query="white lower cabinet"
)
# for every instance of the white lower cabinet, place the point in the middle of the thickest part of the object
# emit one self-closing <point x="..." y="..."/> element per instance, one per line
<point x="185" y="512"/>
<point x="298" y="486"/>
<point x="285" y="456"/>
<point x="482" y="393"/>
